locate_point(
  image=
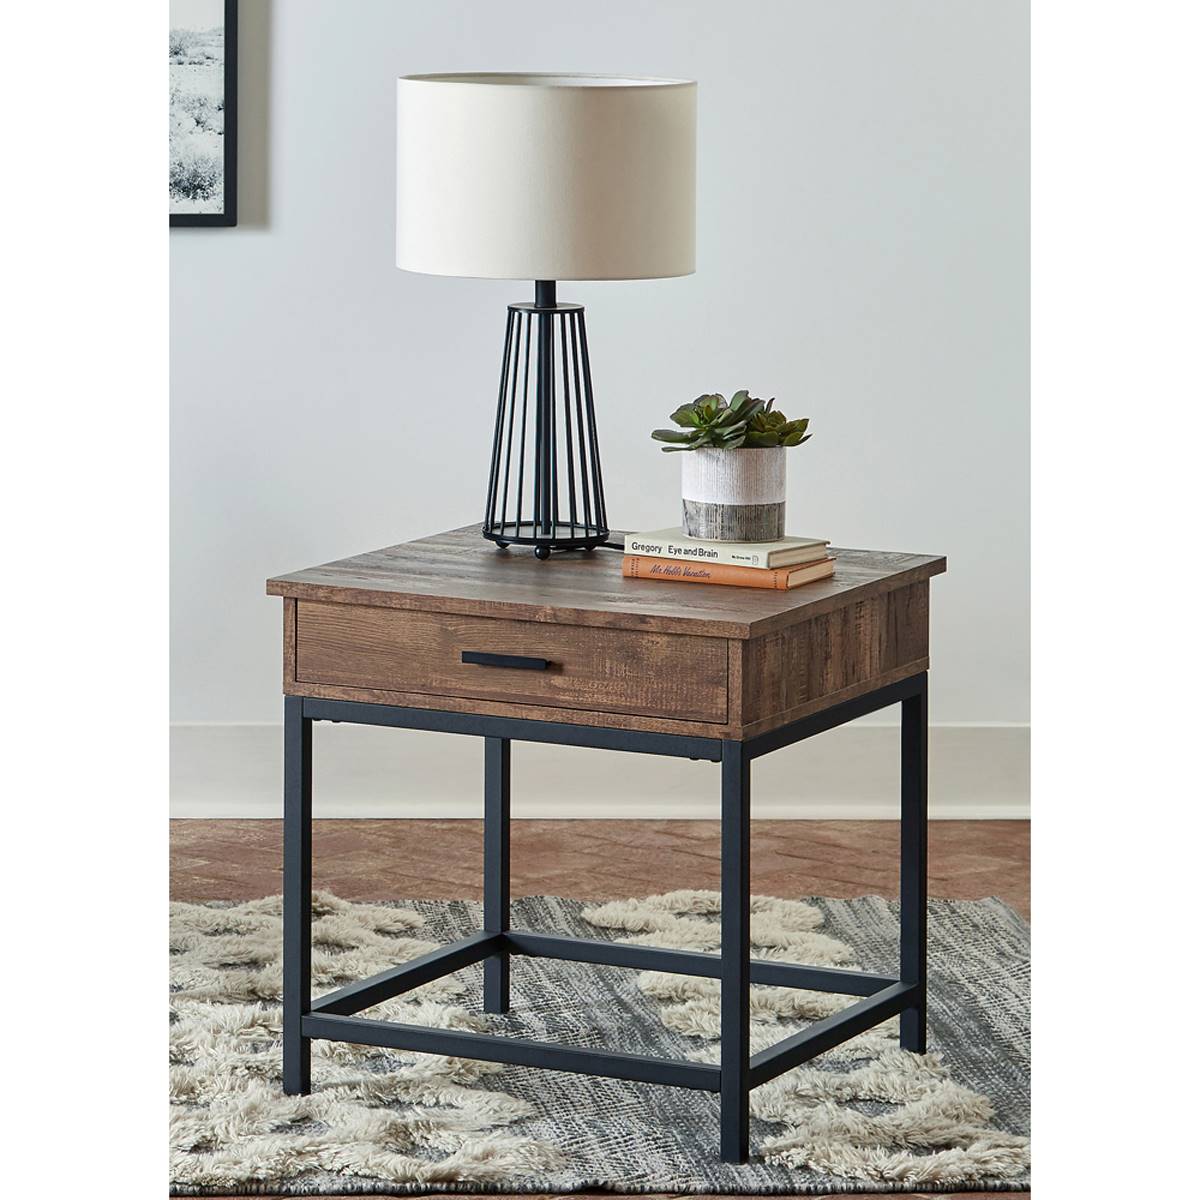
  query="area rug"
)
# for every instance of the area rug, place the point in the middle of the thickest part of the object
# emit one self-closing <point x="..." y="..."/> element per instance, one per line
<point x="866" y="1117"/>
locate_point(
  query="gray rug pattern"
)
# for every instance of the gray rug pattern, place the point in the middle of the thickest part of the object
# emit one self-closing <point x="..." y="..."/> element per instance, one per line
<point x="428" y="1123"/>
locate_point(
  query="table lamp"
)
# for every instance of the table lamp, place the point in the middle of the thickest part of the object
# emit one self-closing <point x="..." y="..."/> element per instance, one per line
<point x="547" y="178"/>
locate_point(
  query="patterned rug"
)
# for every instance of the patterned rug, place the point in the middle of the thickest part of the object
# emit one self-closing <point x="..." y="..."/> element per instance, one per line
<point x="866" y="1117"/>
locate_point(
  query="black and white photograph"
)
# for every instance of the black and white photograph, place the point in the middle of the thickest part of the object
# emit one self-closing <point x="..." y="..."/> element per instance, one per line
<point x="203" y="113"/>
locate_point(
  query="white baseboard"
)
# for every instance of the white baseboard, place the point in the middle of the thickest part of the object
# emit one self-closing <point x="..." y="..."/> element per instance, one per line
<point x="851" y="773"/>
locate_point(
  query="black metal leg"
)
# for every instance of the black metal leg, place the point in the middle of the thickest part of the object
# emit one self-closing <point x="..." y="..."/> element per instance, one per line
<point x="914" y="781"/>
<point x="297" y="893"/>
<point x="883" y="996"/>
<point x="735" y="953"/>
<point x="497" y="760"/>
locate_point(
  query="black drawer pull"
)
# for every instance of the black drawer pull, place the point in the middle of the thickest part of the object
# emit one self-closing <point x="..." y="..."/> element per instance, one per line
<point x="518" y="661"/>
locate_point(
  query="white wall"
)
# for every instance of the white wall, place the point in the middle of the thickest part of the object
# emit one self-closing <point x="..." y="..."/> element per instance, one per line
<point x="862" y="255"/>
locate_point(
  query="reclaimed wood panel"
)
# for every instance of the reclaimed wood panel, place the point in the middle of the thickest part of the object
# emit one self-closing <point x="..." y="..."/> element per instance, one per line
<point x="505" y="708"/>
<point x="459" y="572"/>
<point x="289" y="642"/>
<point x="666" y="676"/>
<point x="865" y="644"/>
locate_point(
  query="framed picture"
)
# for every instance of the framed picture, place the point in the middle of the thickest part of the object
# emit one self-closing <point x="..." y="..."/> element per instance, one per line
<point x="203" y="98"/>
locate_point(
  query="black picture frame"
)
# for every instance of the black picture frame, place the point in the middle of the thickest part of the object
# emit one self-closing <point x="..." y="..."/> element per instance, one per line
<point x="228" y="214"/>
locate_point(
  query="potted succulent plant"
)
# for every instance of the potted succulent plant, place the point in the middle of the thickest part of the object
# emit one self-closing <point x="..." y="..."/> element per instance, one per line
<point x="735" y="474"/>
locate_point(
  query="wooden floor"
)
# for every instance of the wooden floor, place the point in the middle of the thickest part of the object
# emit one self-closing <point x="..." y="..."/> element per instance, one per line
<point x="439" y="860"/>
<point x="443" y="860"/>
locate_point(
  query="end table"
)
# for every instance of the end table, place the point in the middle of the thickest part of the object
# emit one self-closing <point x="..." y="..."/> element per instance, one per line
<point x="449" y="634"/>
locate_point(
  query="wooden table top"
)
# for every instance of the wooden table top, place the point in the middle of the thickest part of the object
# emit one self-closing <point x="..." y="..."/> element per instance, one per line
<point x="461" y="572"/>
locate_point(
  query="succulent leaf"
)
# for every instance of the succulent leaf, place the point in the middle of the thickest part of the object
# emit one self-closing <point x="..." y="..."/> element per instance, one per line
<point x="711" y="421"/>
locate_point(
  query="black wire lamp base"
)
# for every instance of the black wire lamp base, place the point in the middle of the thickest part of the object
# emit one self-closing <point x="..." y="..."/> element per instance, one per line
<point x="545" y="489"/>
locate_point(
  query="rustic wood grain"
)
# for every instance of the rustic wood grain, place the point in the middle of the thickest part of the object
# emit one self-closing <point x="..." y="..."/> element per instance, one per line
<point x="599" y="670"/>
<point x="905" y="630"/>
<point x="505" y="708"/>
<point x="289" y="642"/>
<point x="460" y="572"/>
<point x="818" y="704"/>
<point x="832" y="657"/>
<point x="389" y="628"/>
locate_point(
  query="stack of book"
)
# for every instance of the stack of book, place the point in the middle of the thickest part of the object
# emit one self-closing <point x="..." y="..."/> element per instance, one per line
<point x="668" y="555"/>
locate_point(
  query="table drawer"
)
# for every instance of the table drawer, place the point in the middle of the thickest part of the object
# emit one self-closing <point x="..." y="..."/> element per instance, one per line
<point x="674" y="676"/>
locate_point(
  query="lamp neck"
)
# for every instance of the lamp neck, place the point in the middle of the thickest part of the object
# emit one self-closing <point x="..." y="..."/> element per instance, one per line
<point x="545" y="293"/>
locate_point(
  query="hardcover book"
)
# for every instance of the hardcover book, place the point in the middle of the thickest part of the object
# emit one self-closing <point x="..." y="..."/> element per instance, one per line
<point x="669" y="570"/>
<point x="673" y="544"/>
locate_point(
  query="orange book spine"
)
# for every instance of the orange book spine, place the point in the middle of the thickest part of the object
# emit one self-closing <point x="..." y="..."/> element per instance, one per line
<point x="640" y="566"/>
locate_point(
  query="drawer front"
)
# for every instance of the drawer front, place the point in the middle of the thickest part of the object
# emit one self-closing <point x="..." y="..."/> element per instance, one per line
<point x="673" y="676"/>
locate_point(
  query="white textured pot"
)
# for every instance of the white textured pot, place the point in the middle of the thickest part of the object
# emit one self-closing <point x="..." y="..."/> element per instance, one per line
<point x="734" y="495"/>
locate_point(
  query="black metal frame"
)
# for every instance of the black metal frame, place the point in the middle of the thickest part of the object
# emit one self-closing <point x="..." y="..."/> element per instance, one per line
<point x="531" y="500"/>
<point x="332" y="1017"/>
<point x="228" y="214"/>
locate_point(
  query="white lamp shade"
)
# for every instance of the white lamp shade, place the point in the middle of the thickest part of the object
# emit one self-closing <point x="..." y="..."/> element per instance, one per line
<point x="546" y="176"/>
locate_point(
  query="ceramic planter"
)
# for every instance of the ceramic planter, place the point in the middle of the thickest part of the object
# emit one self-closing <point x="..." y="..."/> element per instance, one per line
<point x="734" y="495"/>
